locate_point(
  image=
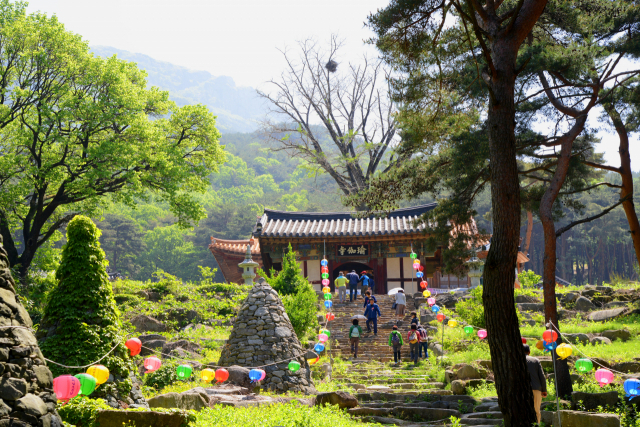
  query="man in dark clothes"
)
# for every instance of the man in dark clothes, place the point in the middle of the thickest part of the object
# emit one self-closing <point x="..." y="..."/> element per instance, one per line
<point x="353" y="284"/>
<point x="538" y="381"/>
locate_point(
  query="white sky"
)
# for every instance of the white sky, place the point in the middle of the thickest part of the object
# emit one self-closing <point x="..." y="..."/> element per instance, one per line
<point x="236" y="38"/>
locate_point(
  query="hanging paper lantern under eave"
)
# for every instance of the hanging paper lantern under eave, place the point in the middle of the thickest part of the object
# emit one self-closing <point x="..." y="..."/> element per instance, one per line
<point x="323" y="338"/>
<point x="604" y="377"/>
<point x="584" y="365"/>
<point x="413" y="255"/>
<point x="326" y="332"/>
<point x="540" y="345"/>
<point x="99" y="372"/>
<point x="66" y="387"/>
<point x="563" y="351"/>
<point x="325" y="275"/>
<point x="431" y="301"/>
<point x="184" y="371"/>
<point x="426" y="294"/>
<point x="87" y="383"/>
<point x="134" y="345"/>
<point x="324" y="269"/>
<point x="632" y="387"/>
<point x="549" y="346"/>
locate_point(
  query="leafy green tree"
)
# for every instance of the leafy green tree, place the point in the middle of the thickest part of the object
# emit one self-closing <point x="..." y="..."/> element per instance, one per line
<point x="81" y="322"/>
<point x="170" y="249"/>
<point x="75" y="128"/>
<point x="121" y="239"/>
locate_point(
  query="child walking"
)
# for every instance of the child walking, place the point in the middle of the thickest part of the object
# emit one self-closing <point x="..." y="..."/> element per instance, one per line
<point x="414" y="343"/>
<point x="355" y="332"/>
<point x="395" y="341"/>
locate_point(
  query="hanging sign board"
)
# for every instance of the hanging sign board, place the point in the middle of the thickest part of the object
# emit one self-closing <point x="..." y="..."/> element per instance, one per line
<point x="352" y="250"/>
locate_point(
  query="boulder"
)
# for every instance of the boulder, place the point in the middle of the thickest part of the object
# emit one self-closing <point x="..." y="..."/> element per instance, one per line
<point x="617" y="334"/>
<point x="584" y="304"/>
<point x="525" y="299"/>
<point x="458" y="387"/>
<point x="487" y="364"/>
<point x="600" y="340"/>
<point x="144" y="323"/>
<point x="576" y="338"/>
<point x="183" y="344"/>
<point x="615" y="304"/>
<point x="239" y="376"/>
<point x="468" y="372"/>
<point x="340" y="398"/>
<point x="425" y="414"/>
<point x="447" y="300"/>
<point x="141" y="419"/>
<point x="531" y="306"/>
<point x="633" y="367"/>
<point x="490" y="406"/>
<point x="32" y="405"/>
<point x="606" y="290"/>
<point x="591" y="401"/>
<point x="185" y="401"/>
<point x="569" y="297"/>
<point x="604" y="315"/>
<point x="154" y="296"/>
<point x="585" y="419"/>
<point x="436" y="348"/>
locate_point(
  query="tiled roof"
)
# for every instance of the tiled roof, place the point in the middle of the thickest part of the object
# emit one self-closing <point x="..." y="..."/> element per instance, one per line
<point x="318" y="224"/>
<point x="234" y="246"/>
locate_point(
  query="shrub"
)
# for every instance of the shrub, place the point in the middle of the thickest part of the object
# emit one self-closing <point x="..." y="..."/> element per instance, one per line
<point x="166" y="283"/>
<point x="472" y="310"/>
<point x="82" y="411"/>
<point x="81" y="322"/>
<point x="528" y="279"/>
<point x="163" y="377"/>
<point x="286" y="282"/>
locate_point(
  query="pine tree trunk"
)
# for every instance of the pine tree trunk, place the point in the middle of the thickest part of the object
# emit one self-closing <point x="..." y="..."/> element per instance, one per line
<point x="509" y="364"/>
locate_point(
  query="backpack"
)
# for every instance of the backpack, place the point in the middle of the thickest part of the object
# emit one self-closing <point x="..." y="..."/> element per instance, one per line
<point x="413" y="337"/>
<point x="355" y="332"/>
<point x="395" y="339"/>
<point x="423" y="334"/>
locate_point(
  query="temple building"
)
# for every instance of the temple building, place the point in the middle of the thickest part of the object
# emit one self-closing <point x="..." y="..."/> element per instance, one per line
<point x="378" y="245"/>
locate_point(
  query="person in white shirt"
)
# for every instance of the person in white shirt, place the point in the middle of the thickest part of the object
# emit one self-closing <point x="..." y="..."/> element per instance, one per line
<point x="401" y="303"/>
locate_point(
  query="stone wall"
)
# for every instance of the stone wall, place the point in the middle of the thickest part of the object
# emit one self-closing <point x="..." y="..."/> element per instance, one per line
<point x="262" y="334"/>
<point x="26" y="384"/>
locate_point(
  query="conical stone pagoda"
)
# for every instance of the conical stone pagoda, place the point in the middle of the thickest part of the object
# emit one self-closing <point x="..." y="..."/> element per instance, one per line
<point x="262" y="335"/>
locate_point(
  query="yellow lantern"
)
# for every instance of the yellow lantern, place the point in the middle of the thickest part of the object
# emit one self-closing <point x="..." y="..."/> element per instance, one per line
<point x="207" y="374"/>
<point x="326" y="290"/>
<point x="426" y="294"/>
<point x="99" y="372"/>
<point x="564" y="351"/>
<point x="452" y="323"/>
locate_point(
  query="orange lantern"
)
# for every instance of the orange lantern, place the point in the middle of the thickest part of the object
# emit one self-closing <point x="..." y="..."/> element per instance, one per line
<point x="134" y="345"/>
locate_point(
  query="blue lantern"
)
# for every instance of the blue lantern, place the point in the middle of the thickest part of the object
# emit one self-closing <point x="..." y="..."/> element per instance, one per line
<point x="255" y="375"/>
<point x="419" y="274"/>
<point x="324" y="263"/>
<point x="549" y="346"/>
<point x="328" y="304"/>
<point x="435" y="308"/>
<point x="632" y="387"/>
<point x="319" y="348"/>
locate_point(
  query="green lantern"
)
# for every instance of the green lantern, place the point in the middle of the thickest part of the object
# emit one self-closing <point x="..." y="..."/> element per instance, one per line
<point x="87" y="383"/>
<point x="294" y="366"/>
<point x="325" y="275"/>
<point x="468" y="330"/>
<point x="584" y="365"/>
<point x="413" y="255"/>
<point x="326" y="332"/>
<point x="327" y="296"/>
<point x="184" y="371"/>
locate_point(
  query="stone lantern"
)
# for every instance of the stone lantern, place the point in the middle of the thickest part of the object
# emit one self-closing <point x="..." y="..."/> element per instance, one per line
<point x="475" y="271"/>
<point x="248" y="267"/>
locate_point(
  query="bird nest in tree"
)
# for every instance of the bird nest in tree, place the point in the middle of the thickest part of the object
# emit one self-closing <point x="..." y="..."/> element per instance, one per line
<point x="331" y="66"/>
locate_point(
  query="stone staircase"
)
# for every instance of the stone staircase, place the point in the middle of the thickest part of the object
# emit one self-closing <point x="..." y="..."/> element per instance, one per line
<point x="371" y="347"/>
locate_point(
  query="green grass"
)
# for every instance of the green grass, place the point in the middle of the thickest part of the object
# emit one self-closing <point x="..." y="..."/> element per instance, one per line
<point x="284" y="414"/>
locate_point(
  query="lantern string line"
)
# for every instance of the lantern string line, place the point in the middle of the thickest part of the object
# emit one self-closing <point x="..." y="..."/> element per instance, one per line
<point x="578" y="350"/>
<point x="90" y="364"/>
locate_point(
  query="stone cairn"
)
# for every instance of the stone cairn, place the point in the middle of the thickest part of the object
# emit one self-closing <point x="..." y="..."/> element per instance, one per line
<point x="262" y="335"/>
<point x="26" y="383"/>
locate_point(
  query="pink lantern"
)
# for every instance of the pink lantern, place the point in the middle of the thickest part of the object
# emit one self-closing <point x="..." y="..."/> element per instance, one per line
<point x="323" y="337"/>
<point x="325" y="282"/>
<point x="263" y="374"/>
<point x="416" y="266"/>
<point x="66" y="387"/>
<point x="431" y="301"/>
<point x="152" y="364"/>
<point x="482" y="334"/>
<point x="604" y="377"/>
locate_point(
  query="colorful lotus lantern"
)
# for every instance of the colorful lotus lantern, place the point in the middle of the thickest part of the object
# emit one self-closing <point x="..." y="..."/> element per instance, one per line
<point x="550" y="336"/>
<point x="584" y="365"/>
<point x="440" y="317"/>
<point x="452" y="323"/>
<point x="134" y="345"/>
<point x="324" y="263"/>
<point x="207" y="375"/>
<point x="323" y="338"/>
<point x="255" y="375"/>
<point x="426" y="294"/>
<point x="222" y="375"/>
<point x="319" y="348"/>
<point x="330" y="316"/>
<point x="326" y="290"/>
<point x="524" y="340"/>
<point x="540" y="345"/>
<point x="324" y="269"/>
<point x="325" y="282"/>
<point x="468" y="330"/>
<point x="632" y="387"/>
<point x="152" y="364"/>
<point x="328" y="304"/>
<point x="413" y="255"/>
<point x="435" y="308"/>
<point x="482" y="334"/>
<point x="99" y="372"/>
<point x="327" y="296"/>
<point x="564" y="350"/>
<point x="604" y="377"/>
<point x="184" y="371"/>
<point x="424" y="284"/>
<point x="326" y="332"/>
<point x="66" y="387"/>
<point x="431" y="301"/>
<point x="313" y="361"/>
<point x="87" y="383"/>
<point x="294" y="366"/>
<point x="549" y="346"/>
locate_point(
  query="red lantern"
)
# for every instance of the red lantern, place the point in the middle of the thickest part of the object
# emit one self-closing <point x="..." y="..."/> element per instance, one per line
<point x="66" y="387"/>
<point x="152" y="364"/>
<point x="324" y="270"/>
<point x="524" y="340"/>
<point x="134" y="345"/>
<point x="440" y="317"/>
<point x="222" y="375"/>
<point x="421" y="268"/>
<point x="330" y="316"/>
<point x="424" y="284"/>
<point x="549" y="336"/>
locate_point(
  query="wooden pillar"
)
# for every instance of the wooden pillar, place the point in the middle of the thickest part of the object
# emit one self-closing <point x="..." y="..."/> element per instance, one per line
<point x="306" y="275"/>
<point x="402" y="272"/>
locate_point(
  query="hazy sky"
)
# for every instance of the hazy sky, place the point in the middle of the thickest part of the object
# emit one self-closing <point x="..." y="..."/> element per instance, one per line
<point x="236" y="38"/>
